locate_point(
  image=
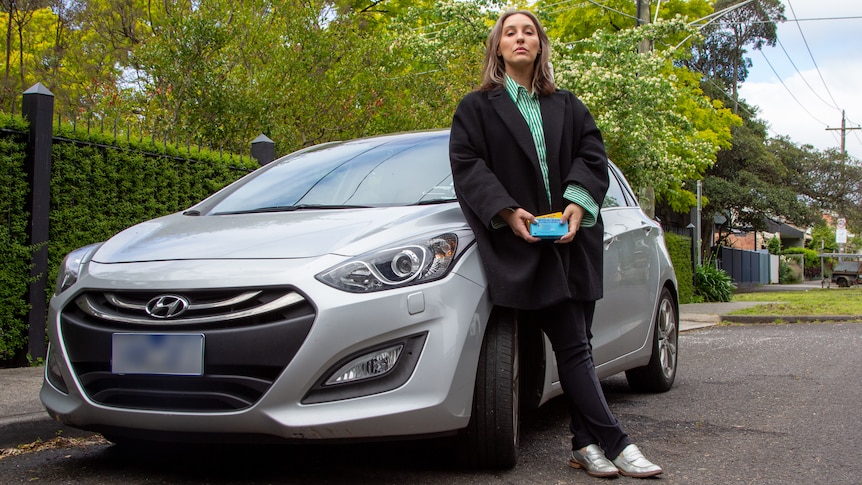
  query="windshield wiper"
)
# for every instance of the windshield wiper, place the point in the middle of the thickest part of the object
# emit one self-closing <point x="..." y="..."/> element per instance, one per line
<point x="291" y="208"/>
<point x="436" y="201"/>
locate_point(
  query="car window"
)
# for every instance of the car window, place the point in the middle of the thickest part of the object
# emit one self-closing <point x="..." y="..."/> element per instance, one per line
<point x="615" y="197"/>
<point x="380" y="172"/>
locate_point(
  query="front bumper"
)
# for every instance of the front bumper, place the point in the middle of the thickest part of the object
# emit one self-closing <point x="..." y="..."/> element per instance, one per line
<point x="276" y="363"/>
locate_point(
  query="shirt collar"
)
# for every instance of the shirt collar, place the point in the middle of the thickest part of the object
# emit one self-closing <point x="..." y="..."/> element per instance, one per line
<point x="514" y="89"/>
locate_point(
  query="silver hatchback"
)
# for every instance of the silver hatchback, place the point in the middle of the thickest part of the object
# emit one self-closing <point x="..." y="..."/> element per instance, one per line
<point x="334" y="294"/>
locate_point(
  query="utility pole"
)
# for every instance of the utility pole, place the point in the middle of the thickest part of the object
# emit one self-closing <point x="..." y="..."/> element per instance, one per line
<point x="844" y="129"/>
<point x="647" y="194"/>
<point x="642" y="19"/>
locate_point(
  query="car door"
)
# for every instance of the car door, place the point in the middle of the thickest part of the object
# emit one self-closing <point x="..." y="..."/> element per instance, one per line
<point x="631" y="273"/>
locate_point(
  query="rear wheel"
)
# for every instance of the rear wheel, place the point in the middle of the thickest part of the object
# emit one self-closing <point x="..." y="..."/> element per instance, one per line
<point x="658" y="375"/>
<point x="492" y="438"/>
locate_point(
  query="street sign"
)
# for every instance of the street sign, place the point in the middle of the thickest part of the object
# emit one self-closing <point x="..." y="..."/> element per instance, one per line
<point x="841" y="236"/>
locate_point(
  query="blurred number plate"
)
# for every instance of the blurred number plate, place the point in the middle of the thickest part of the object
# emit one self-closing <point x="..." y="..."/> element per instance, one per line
<point x="162" y="354"/>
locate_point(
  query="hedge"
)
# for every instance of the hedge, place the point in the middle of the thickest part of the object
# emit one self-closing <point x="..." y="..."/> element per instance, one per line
<point x="14" y="251"/>
<point x="679" y="248"/>
<point x="100" y="185"/>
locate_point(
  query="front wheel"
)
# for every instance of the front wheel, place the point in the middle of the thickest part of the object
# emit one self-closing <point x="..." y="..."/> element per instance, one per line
<point x="658" y="375"/>
<point x="492" y="437"/>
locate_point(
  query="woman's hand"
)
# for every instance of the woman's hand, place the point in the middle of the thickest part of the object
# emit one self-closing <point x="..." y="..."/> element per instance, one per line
<point x="519" y="221"/>
<point x="573" y="214"/>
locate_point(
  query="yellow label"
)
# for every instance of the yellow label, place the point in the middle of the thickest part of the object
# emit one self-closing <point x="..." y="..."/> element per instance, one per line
<point x="556" y="215"/>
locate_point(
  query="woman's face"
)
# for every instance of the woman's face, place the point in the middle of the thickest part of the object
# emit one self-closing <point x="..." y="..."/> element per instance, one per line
<point x="519" y="43"/>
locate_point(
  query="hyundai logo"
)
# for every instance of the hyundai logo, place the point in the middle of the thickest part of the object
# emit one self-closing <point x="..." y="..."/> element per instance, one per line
<point x="167" y="306"/>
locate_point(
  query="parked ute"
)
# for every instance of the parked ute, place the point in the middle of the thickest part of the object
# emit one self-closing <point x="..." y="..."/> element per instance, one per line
<point x="334" y="294"/>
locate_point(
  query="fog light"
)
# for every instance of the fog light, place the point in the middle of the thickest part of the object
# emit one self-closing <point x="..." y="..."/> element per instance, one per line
<point x="53" y="374"/>
<point x="370" y="365"/>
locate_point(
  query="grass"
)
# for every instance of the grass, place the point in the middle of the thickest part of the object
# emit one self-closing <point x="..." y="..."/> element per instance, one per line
<point x="816" y="302"/>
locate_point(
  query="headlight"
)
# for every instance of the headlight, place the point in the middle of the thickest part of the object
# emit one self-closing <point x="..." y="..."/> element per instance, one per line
<point x="70" y="268"/>
<point x="413" y="262"/>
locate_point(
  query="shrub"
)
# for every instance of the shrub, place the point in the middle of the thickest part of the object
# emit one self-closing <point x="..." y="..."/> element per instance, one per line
<point x="774" y="245"/>
<point x="713" y="284"/>
<point x="679" y="248"/>
<point x="811" y="261"/>
<point x="789" y="271"/>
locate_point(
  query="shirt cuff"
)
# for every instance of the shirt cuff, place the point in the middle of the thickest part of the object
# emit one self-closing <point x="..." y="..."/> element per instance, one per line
<point x="498" y="222"/>
<point x="579" y="195"/>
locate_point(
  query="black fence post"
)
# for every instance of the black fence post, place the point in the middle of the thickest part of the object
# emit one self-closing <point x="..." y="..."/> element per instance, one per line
<point x="263" y="150"/>
<point x="38" y="109"/>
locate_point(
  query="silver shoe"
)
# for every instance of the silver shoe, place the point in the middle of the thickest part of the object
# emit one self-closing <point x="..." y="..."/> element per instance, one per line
<point x="592" y="459"/>
<point x="631" y="463"/>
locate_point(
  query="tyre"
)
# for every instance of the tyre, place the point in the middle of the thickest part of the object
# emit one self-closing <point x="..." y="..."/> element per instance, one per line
<point x="658" y="375"/>
<point x="492" y="437"/>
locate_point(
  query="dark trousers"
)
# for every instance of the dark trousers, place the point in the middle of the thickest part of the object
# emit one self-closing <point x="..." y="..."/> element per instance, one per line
<point x="568" y="326"/>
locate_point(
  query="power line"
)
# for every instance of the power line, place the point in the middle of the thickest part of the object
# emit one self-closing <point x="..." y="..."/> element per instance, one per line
<point x="805" y="41"/>
<point x="789" y="91"/>
<point x="712" y="18"/>
<point x="612" y="9"/>
<point x="803" y="77"/>
<point x="850" y="17"/>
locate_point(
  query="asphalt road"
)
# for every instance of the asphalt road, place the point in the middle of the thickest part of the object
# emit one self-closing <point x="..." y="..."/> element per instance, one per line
<point x="753" y="404"/>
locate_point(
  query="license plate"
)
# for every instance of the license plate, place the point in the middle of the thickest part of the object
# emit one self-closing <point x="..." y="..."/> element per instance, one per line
<point x="157" y="354"/>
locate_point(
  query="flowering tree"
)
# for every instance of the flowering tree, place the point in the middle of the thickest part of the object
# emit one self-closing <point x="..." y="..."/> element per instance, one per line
<point x="658" y="125"/>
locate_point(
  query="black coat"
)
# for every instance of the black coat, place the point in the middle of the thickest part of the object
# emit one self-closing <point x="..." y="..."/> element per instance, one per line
<point x="495" y="165"/>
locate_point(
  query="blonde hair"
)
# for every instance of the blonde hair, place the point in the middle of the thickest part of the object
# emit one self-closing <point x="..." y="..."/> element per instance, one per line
<point x="494" y="69"/>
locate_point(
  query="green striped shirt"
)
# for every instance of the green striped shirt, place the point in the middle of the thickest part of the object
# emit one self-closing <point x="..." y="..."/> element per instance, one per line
<point x="529" y="106"/>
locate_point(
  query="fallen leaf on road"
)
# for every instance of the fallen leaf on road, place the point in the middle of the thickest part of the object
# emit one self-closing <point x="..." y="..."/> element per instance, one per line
<point x="52" y="444"/>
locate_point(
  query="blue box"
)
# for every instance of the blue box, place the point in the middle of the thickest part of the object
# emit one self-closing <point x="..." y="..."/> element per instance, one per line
<point x="548" y="228"/>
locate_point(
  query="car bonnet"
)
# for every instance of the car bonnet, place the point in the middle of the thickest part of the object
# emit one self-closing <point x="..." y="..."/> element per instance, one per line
<point x="300" y="234"/>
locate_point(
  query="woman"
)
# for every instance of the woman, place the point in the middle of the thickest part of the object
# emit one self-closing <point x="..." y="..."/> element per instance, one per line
<point x="521" y="148"/>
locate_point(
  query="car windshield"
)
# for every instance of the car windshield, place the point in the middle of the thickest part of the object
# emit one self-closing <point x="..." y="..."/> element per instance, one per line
<point x="363" y="173"/>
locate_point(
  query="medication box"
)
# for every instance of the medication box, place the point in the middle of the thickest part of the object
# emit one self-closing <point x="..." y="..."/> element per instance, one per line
<point x="548" y="227"/>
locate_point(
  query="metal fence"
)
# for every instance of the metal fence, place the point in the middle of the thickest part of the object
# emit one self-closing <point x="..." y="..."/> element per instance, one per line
<point x="745" y="266"/>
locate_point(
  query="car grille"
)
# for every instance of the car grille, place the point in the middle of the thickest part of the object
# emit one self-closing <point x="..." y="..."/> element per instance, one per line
<point x="250" y="336"/>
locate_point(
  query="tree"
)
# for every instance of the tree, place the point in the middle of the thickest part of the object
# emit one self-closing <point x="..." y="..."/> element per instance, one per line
<point x="826" y="179"/>
<point x="572" y="22"/>
<point x="657" y="126"/>
<point x="721" y="55"/>
<point x="823" y="238"/>
<point x="303" y="73"/>
<point x="774" y="245"/>
<point x="441" y="48"/>
<point x="18" y="15"/>
<point x="63" y="45"/>
<point x="750" y="183"/>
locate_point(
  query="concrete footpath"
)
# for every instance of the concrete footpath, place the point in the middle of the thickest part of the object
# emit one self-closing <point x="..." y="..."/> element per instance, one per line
<point x="24" y="420"/>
